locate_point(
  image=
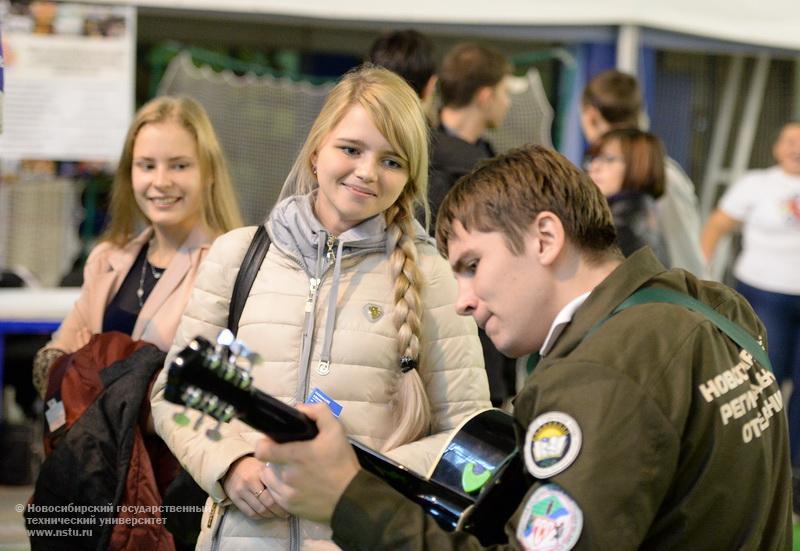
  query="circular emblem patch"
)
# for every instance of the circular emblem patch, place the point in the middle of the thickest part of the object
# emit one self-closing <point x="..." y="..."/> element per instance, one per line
<point x="550" y="521"/>
<point x="373" y="312"/>
<point x="552" y="443"/>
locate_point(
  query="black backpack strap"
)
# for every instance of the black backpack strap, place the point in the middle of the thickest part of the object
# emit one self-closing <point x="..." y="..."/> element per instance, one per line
<point x="185" y="525"/>
<point x="251" y="263"/>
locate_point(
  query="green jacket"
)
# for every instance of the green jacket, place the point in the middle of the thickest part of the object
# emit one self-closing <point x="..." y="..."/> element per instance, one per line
<point x="684" y="441"/>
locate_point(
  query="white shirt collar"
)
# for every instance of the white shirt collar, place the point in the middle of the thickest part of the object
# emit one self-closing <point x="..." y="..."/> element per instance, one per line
<point x="562" y="319"/>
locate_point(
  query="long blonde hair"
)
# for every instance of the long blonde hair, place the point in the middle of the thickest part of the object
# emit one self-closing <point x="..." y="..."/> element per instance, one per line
<point x="397" y="113"/>
<point x="220" y="208"/>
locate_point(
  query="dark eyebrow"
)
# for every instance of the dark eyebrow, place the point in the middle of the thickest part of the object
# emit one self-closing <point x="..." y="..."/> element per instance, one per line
<point x="171" y="159"/>
<point x="361" y="144"/>
<point x="458" y="265"/>
<point x="351" y="141"/>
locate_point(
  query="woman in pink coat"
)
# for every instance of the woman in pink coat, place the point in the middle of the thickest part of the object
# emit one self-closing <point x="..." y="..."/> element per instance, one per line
<point x="171" y="197"/>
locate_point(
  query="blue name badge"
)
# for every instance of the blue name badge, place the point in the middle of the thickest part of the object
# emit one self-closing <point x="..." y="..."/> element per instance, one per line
<point x="319" y="397"/>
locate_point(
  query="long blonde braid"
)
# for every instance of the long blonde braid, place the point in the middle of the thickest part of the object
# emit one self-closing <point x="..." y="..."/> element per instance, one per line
<point x="412" y="412"/>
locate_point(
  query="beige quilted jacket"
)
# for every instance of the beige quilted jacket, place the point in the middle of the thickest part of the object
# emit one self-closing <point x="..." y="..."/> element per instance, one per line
<point x="363" y="374"/>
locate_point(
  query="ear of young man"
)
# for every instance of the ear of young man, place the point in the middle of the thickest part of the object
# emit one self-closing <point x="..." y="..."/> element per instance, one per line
<point x="484" y="96"/>
<point x="546" y="235"/>
<point x="593" y="123"/>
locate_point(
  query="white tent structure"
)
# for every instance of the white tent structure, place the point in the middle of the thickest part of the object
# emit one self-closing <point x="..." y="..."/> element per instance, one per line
<point x="749" y="33"/>
<point x="737" y="27"/>
<point x="772" y="24"/>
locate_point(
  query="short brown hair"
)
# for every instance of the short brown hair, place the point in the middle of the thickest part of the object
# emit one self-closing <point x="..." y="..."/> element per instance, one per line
<point x="643" y="153"/>
<point x="506" y="194"/>
<point x="617" y="97"/>
<point x="467" y="68"/>
<point x="408" y="53"/>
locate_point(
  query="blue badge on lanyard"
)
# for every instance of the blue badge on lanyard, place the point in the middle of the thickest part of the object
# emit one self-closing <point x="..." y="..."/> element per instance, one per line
<point x="319" y="397"/>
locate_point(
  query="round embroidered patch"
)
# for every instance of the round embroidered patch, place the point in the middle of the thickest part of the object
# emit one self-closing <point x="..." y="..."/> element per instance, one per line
<point x="550" y="521"/>
<point x="552" y="443"/>
<point x="373" y="312"/>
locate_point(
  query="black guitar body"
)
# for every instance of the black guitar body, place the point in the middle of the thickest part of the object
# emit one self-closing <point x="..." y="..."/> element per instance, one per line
<point x="483" y="453"/>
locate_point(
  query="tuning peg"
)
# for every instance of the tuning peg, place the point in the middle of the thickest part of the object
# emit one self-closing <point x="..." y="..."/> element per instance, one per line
<point x="238" y="348"/>
<point x="245" y="379"/>
<point x="181" y="418"/>
<point x="199" y="421"/>
<point x="225" y="338"/>
<point x="211" y="404"/>
<point x="242" y="363"/>
<point x="192" y="396"/>
<point x="222" y="412"/>
<point x="229" y="371"/>
<point x="247" y="360"/>
<point x="202" y="406"/>
<point x="222" y="349"/>
<point x="226" y="413"/>
<point x="214" y="433"/>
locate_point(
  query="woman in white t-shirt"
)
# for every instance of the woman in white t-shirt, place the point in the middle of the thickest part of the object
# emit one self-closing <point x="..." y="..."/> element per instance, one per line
<point x="766" y="205"/>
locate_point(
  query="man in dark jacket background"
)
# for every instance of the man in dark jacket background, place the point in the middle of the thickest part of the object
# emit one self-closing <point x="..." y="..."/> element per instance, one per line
<point x="474" y="95"/>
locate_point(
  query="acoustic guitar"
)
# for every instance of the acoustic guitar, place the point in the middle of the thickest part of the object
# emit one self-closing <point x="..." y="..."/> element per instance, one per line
<point x="475" y="485"/>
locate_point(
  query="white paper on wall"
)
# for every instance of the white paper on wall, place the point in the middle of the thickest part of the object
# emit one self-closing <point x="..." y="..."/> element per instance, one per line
<point x="69" y="83"/>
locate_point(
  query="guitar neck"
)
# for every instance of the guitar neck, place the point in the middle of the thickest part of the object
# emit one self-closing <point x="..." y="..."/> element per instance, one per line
<point x="438" y="500"/>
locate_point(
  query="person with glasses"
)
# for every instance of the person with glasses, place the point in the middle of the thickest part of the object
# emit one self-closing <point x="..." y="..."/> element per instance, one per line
<point x="628" y="167"/>
<point x="613" y="99"/>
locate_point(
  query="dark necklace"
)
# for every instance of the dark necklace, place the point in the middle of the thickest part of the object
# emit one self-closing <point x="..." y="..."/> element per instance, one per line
<point x="140" y="290"/>
<point x="156" y="275"/>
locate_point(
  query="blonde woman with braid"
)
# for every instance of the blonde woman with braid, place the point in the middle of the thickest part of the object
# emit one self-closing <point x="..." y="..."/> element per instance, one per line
<point x="352" y="304"/>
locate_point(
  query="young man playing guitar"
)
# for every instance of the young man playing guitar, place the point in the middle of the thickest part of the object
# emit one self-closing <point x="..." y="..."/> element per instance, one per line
<point x="646" y="420"/>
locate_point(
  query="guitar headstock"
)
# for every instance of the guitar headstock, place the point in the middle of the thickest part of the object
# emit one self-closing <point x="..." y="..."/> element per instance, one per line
<point x="216" y="380"/>
<point x="213" y="379"/>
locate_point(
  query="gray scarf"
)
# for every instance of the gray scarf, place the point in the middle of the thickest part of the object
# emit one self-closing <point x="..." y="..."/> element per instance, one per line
<point x="295" y="229"/>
